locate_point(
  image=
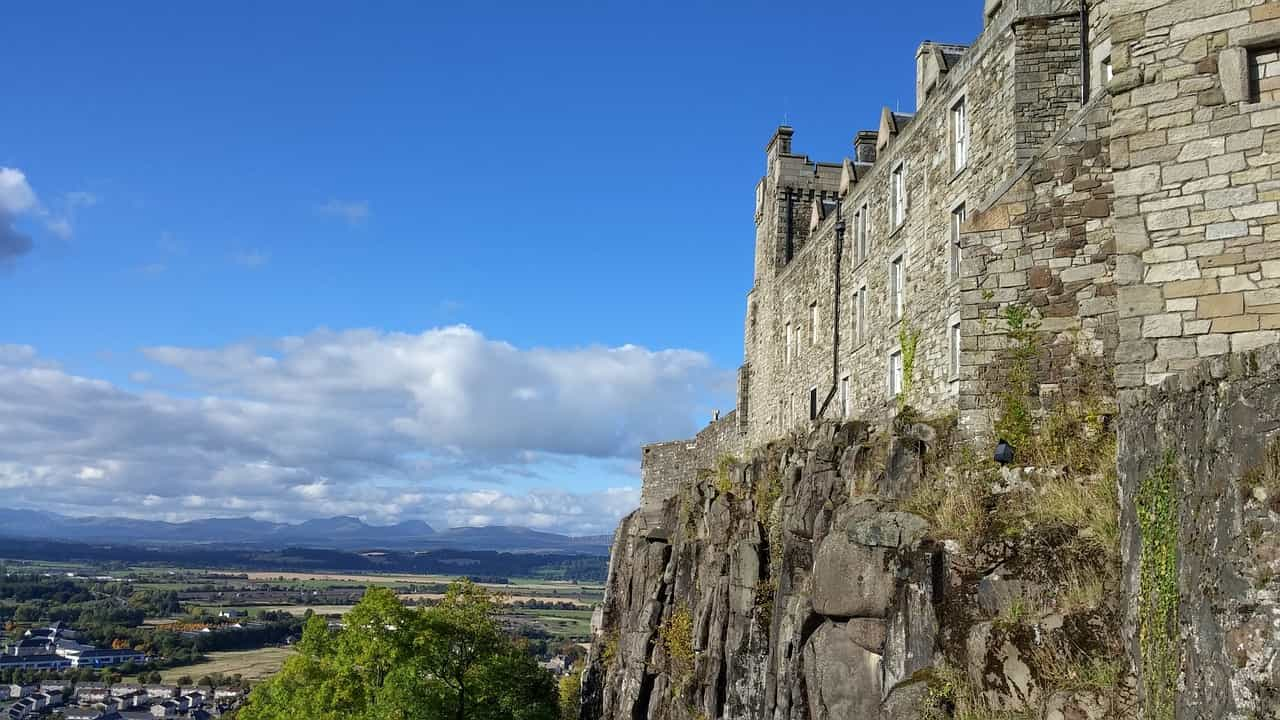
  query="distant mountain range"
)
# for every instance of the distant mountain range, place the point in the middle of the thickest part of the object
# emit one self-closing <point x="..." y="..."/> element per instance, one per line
<point x="342" y="533"/>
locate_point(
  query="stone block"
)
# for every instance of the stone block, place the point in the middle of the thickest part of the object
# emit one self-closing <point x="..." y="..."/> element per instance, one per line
<point x="1138" y="181"/>
<point x="1238" y="323"/>
<point x="1246" y="341"/>
<point x="1139" y="301"/>
<point x="1213" y="306"/>
<point x="1224" y="230"/>
<point x="1262" y="297"/>
<point x="1188" y="288"/>
<point x="1176" y="349"/>
<point x="1229" y="197"/>
<point x="1159" y="326"/>
<point x="1210" y="345"/>
<point x="1233" y="73"/>
<point x="1168" y="219"/>
<point x="1168" y="272"/>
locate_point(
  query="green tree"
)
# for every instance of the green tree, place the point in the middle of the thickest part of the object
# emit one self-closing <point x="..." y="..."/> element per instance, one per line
<point x="570" y="694"/>
<point x="448" y="662"/>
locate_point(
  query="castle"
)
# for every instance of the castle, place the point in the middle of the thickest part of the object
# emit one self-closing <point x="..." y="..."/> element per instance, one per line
<point x="1105" y="165"/>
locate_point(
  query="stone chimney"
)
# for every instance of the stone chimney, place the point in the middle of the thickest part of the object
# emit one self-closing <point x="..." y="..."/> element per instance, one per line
<point x="864" y="146"/>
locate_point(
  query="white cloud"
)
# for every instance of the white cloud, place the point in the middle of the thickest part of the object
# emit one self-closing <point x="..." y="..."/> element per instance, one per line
<point x="353" y="212"/>
<point x="16" y="195"/>
<point x="385" y="426"/>
<point x="17" y="198"/>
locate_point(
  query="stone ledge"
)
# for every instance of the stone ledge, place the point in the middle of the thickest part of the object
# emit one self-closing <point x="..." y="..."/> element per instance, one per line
<point x="1236" y="366"/>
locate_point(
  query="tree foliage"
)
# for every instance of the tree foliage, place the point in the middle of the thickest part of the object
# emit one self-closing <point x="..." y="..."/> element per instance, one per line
<point x="447" y="662"/>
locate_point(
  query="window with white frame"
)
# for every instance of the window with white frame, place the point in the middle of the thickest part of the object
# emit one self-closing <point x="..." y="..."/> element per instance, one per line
<point x="790" y="340"/>
<point x="813" y="323"/>
<point x="953" y="245"/>
<point x="953" y="344"/>
<point x="897" y="286"/>
<point x="844" y="396"/>
<point x="860" y="232"/>
<point x="959" y="135"/>
<point x="895" y="373"/>
<point x="898" y="195"/>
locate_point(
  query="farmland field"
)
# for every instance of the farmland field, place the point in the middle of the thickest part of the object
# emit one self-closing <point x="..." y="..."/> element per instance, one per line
<point x="251" y="664"/>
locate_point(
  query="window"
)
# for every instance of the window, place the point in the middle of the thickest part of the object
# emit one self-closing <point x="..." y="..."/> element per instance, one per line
<point x="895" y="373"/>
<point x="953" y="343"/>
<point x="898" y="195"/>
<point x="844" y="396"/>
<point x="1264" y="74"/>
<point x="897" y="286"/>
<point x="959" y="136"/>
<point x="1107" y="72"/>
<point x="860" y="233"/>
<point x="953" y="264"/>
<point x="813" y="323"/>
<point x="860" y="315"/>
<point x="813" y="403"/>
<point x="790" y="340"/>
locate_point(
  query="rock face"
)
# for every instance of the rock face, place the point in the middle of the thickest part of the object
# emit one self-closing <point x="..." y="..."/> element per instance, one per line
<point x="808" y="594"/>
<point x="1199" y="465"/>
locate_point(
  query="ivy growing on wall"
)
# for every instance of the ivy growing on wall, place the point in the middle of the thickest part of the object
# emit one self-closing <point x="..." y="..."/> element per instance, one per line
<point x="1157" y="506"/>
<point x="908" y="339"/>
<point x="1015" y="422"/>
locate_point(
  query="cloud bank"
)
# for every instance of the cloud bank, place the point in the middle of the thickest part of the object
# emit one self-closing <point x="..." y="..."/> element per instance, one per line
<point x="386" y="426"/>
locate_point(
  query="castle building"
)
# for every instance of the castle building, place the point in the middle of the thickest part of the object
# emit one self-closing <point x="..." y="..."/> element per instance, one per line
<point x="1101" y="168"/>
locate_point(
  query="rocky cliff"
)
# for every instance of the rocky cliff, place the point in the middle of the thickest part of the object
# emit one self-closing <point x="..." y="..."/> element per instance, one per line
<point x="1126" y="565"/>
<point x="869" y="572"/>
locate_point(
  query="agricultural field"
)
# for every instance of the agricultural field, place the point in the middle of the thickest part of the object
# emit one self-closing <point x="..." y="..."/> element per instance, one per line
<point x="249" y="664"/>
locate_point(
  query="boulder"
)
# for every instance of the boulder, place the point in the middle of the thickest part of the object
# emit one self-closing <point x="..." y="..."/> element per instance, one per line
<point x="842" y="677"/>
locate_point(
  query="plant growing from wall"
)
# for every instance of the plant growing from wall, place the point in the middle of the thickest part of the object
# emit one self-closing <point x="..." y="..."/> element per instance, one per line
<point x="677" y="639"/>
<point x="724" y="474"/>
<point x="1157" y="507"/>
<point x="908" y="340"/>
<point x="1014" y="422"/>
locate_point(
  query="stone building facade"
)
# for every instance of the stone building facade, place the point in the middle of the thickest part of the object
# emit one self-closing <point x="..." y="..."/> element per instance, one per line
<point x="1104" y="165"/>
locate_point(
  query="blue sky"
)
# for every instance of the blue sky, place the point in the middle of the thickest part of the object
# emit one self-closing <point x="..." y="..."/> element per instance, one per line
<point x="198" y="183"/>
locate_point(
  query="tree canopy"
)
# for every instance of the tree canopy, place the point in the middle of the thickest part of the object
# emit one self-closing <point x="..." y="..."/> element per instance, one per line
<point x="447" y="662"/>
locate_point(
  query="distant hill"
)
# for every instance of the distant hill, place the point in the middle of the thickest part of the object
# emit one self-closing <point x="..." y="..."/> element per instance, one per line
<point x="338" y="533"/>
<point x="451" y="563"/>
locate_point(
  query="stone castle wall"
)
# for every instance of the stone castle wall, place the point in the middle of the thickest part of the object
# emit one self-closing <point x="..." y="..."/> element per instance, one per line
<point x="1020" y="81"/>
<point x="1044" y="242"/>
<point x="1194" y="149"/>
<point x="667" y="466"/>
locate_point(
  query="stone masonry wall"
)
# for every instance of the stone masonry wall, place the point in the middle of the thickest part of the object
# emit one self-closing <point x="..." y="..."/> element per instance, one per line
<point x="1196" y="191"/>
<point x="987" y="78"/>
<point x="1047" y="78"/>
<point x="664" y="467"/>
<point x="1044" y="241"/>
<point x="1204" y="444"/>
